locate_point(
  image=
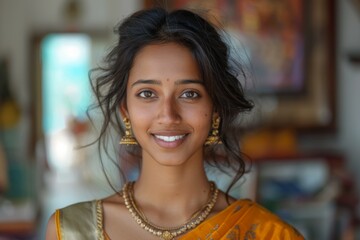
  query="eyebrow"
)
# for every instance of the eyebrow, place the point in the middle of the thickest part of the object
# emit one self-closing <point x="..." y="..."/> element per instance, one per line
<point x="177" y="82"/>
<point x="146" y="81"/>
<point x="189" y="81"/>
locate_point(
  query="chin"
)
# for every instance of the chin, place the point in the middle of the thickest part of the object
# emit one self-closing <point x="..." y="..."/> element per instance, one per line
<point x="173" y="159"/>
<point x="171" y="162"/>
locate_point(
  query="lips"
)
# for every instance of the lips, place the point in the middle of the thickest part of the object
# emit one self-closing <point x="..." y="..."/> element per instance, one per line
<point x="169" y="139"/>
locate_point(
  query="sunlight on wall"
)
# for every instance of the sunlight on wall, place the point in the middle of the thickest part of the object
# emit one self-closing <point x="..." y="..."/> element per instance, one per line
<point x="66" y="92"/>
<point x="66" y="60"/>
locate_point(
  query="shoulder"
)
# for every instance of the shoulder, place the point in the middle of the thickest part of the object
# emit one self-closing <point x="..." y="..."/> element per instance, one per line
<point x="80" y="207"/>
<point x="73" y="214"/>
<point x="87" y="220"/>
<point x="63" y="218"/>
<point x="79" y="210"/>
<point x="252" y="210"/>
<point x="77" y="221"/>
<point x="262" y="221"/>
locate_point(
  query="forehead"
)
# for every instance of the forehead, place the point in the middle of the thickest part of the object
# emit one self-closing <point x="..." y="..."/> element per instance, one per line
<point x="167" y="60"/>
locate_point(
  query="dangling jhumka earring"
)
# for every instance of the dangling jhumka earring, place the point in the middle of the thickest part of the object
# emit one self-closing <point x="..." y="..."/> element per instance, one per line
<point x="128" y="139"/>
<point x="214" y="138"/>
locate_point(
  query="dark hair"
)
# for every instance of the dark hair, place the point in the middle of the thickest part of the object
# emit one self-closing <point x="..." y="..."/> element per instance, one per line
<point x="220" y="75"/>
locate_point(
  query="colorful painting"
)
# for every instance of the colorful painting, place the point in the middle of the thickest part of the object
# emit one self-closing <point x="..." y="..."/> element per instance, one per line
<point x="269" y="32"/>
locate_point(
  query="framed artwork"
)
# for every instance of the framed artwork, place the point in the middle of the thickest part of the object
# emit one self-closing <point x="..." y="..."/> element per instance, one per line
<point x="289" y="49"/>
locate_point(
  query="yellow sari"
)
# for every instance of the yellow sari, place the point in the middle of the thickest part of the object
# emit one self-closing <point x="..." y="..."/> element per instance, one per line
<point x="242" y="220"/>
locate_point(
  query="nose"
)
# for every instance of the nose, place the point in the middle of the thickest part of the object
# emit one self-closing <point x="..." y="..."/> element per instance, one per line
<point x="169" y="111"/>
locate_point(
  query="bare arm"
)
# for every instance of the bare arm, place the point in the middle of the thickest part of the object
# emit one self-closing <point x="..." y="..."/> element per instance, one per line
<point x="51" y="229"/>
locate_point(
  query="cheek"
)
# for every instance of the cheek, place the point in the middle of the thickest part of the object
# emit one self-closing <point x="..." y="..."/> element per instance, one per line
<point x="136" y="110"/>
<point x="139" y="118"/>
<point x="139" y="127"/>
<point x="203" y="122"/>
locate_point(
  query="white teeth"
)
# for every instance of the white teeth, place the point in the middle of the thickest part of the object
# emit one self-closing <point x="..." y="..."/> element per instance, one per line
<point x="170" y="138"/>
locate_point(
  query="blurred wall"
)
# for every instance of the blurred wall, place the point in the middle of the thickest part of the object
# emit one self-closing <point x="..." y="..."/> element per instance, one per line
<point x="347" y="138"/>
<point x="19" y="18"/>
<point x="349" y="85"/>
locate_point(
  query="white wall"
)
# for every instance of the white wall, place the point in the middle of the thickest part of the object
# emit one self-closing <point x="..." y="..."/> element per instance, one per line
<point x="19" y="19"/>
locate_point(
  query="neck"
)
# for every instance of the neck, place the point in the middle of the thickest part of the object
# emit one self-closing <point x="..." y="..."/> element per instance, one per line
<point x="162" y="188"/>
<point x="183" y="182"/>
<point x="174" y="193"/>
<point x="168" y="233"/>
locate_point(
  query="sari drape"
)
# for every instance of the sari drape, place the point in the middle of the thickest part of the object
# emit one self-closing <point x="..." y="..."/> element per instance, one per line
<point x="245" y="220"/>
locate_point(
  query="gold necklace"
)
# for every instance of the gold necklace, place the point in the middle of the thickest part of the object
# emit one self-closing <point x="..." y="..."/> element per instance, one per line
<point x="168" y="233"/>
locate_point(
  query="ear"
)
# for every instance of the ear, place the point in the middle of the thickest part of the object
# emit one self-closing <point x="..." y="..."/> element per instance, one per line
<point x="123" y="110"/>
<point x="215" y="114"/>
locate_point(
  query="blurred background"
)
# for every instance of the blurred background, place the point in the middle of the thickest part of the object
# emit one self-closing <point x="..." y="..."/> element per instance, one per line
<point x="303" y="59"/>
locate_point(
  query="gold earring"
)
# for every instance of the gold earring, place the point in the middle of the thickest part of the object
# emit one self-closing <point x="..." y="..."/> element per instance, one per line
<point x="214" y="138"/>
<point x="128" y="139"/>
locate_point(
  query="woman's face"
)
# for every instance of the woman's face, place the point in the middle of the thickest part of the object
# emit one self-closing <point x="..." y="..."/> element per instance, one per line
<point x="169" y="109"/>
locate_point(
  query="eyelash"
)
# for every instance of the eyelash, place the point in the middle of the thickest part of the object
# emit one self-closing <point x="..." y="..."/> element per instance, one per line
<point x="146" y="91"/>
<point x="197" y="95"/>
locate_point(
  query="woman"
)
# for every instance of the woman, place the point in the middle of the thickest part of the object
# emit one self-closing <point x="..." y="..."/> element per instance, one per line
<point x="170" y="78"/>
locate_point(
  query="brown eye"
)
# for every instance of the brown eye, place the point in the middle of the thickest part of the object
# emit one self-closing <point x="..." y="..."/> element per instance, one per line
<point x="190" y="94"/>
<point x="146" y="94"/>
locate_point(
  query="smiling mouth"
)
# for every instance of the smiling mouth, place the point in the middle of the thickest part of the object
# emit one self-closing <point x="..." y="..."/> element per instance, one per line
<point x="170" y="138"/>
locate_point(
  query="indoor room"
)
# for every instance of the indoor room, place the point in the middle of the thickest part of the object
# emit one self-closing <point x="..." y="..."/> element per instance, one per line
<point x="300" y="62"/>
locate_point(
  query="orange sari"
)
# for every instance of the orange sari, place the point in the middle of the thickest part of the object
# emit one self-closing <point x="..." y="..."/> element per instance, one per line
<point x="246" y="220"/>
